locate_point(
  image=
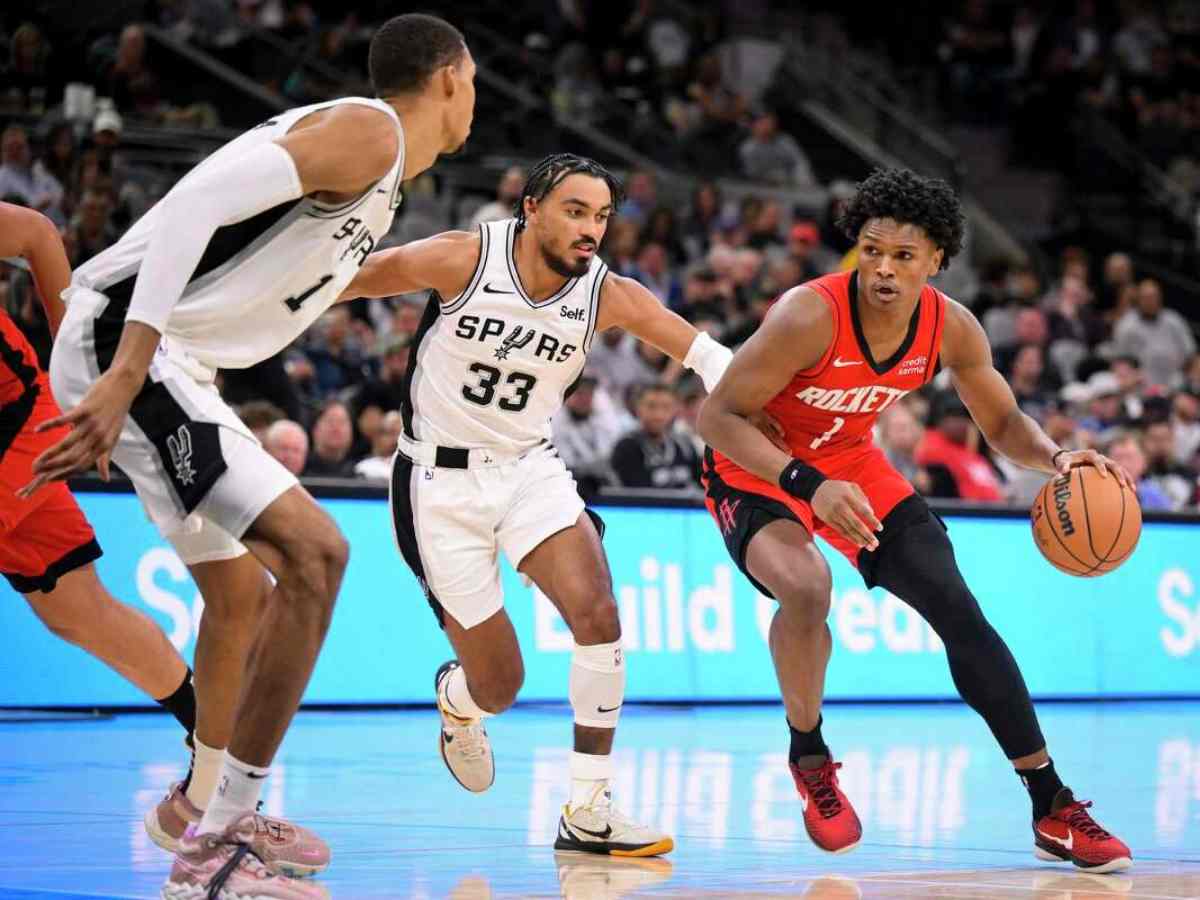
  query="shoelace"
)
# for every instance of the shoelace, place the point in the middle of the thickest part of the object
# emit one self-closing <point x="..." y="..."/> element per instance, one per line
<point x="822" y="787"/>
<point x="231" y="866"/>
<point x="472" y="741"/>
<point x="1077" y="817"/>
<point x="266" y="824"/>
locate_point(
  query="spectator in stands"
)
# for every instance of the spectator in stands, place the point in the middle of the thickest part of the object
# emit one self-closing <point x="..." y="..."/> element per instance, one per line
<point x="763" y="231"/>
<point x="720" y="107"/>
<point x="1185" y="422"/>
<point x="978" y="54"/>
<point x="900" y="434"/>
<point x="1035" y="392"/>
<point x="507" y="193"/>
<point x="805" y="250"/>
<point x="288" y="442"/>
<point x="585" y="431"/>
<point x="332" y="438"/>
<point x="1131" y="384"/>
<point x="1134" y="43"/>
<point x="949" y="453"/>
<point x="1159" y="337"/>
<point x="770" y="155"/>
<point x="662" y="228"/>
<point x="1191" y="376"/>
<point x="653" y="456"/>
<point x="59" y="158"/>
<point x="692" y="397"/>
<point x="1176" y="481"/>
<point x="702" y="219"/>
<point x="21" y="180"/>
<point x="1029" y="327"/>
<point x="621" y="246"/>
<point x="1117" y="275"/>
<point x="1106" y="411"/>
<point x="27" y="79"/>
<point x="654" y="271"/>
<point x="336" y="352"/>
<point x="386" y="390"/>
<point x="641" y="197"/>
<point x="123" y="74"/>
<point x="378" y="466"/>
<point x="614" y="357"/>
<point x="1124" y="449"/>
<point x="259" y="416"/>
<point x="92" y="227"/>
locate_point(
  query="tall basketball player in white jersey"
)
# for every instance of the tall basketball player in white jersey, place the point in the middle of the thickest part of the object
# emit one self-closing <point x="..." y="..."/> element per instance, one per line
<point x="515" y="308"/>
<point x="236" y="261"/>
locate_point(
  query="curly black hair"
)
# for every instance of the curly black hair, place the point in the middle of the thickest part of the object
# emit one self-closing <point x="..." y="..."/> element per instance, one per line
<point x="909" y="198"/>
<point x="550" y="172"/>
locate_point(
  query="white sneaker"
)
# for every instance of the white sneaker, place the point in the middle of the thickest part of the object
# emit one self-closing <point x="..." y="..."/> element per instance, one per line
<point x="464" y="743"/>
<point x="596" y="827"/>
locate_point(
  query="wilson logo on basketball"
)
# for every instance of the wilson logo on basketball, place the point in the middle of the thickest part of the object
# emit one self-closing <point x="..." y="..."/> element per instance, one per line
<point x="1062" y="496"/>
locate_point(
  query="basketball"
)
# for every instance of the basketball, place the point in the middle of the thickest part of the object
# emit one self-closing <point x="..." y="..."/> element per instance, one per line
<point x="1086" y="524"/>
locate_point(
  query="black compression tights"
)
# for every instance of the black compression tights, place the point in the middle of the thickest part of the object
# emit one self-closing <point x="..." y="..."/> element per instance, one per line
<point x="916" y="563"/>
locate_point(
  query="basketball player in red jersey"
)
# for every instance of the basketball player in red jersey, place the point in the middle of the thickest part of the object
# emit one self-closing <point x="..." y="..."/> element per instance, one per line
<point x="830" y="356"/>
<point x="47" y="547"/>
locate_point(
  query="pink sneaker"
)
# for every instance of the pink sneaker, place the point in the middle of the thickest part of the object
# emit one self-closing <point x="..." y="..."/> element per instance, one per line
<point x="286" y="849"/>
<point x="225" y="867"/>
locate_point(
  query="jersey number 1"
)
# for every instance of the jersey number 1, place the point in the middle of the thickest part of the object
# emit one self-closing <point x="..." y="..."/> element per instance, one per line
<point x="838" y="422"/>
<point x="294" y="303"/>
<point x="485" y="391"/>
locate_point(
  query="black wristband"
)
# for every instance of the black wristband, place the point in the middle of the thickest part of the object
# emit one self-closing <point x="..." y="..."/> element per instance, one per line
<point x="800" y="480"/>
<point x="1054" y="457"/>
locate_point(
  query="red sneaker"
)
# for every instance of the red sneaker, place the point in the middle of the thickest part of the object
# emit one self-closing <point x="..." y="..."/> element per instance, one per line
<point x="829" y="818"/>
<point x="1070" y="833"/>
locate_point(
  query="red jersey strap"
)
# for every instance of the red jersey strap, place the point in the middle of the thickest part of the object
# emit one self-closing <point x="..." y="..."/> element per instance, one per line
<point x="834" y="310"/>
<point x="935" y="340"/>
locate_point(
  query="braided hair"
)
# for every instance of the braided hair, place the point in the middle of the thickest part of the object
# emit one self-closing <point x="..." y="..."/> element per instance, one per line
<point x="550" y="173"/>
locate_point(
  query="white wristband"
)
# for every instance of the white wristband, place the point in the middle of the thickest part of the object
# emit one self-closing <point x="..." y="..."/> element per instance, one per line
<point x="708" y="359"/>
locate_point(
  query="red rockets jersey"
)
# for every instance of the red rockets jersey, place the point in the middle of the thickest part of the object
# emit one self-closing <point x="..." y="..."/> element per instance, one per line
<point x="18" y="363"/>
<point x="827" y="411"/>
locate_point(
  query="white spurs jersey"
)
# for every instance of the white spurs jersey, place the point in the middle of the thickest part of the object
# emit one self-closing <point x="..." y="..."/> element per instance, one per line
<point x="261" y="281"/>
<point x="491" y="366"/>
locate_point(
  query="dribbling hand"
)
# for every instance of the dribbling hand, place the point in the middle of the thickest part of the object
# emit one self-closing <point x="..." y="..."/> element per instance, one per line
<point x="1070" y="459"/>
<point x="844" y="507"/>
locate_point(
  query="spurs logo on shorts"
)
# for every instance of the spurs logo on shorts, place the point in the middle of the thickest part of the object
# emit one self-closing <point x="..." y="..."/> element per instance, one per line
<point x="180" y="447"/>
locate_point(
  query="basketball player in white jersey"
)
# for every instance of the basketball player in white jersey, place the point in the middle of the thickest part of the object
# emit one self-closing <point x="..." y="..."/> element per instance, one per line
<point x="233" y="264"/>
<point x="515" y="309"/>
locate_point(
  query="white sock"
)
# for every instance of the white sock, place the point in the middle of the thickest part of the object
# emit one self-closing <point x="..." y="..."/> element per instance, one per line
<point x="457" y="698"/>
<point x="238" y="789"/>
<point x="206" y="764"/>
<point x="587" y="771"/>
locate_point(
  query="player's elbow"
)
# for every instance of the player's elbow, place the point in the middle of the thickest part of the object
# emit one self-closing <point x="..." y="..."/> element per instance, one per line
<point x="708" y="423"/>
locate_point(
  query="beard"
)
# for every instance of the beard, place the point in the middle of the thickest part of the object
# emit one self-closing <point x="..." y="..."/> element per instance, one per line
<point x="560" y="266"/>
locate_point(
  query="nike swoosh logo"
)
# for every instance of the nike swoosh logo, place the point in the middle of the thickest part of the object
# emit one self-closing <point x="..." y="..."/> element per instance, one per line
<point x="840" y="363"/>
<point x="488" y="289"/>
<point x="602" y="835"/>
<point x="608" y="709"/>
<point x="1067" y="844"/>
<point x="256" y="777"/>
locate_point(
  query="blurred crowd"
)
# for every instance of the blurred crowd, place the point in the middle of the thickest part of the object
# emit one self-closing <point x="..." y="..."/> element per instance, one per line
<point x="1135" y="63"/>
<point x="1087" y="344"/>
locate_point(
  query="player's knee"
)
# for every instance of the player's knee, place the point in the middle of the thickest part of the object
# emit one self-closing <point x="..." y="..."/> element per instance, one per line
<point x="597" y="622"/>
<point x="804" y="595"/>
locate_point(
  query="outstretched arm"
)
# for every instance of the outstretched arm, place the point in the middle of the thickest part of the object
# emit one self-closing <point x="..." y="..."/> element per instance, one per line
<point x="627" y="304"/>
<point x="443" y="263"/>
<point x="31" y="236"/>
<point x="968" y="356"/>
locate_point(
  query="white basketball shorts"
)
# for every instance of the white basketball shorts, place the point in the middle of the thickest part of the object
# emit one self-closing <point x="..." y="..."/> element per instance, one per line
<point x="201" y="475"/>
<point x="451" y="523"/>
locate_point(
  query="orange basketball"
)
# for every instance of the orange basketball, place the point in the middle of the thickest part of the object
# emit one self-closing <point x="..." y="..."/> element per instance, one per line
<point x="1086" y="524"/>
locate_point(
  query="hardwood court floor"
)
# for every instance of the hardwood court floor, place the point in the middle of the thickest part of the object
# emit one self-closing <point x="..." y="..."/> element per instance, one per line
<point x="943" y="814"/>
